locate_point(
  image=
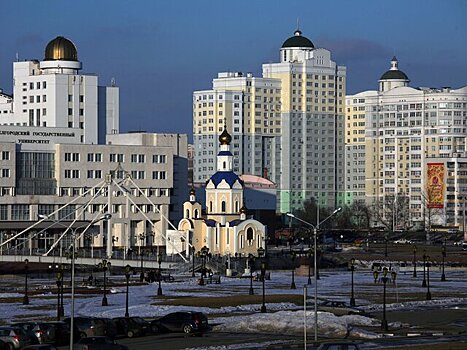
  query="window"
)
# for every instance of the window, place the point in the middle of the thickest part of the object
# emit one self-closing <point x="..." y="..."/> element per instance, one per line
<point x="3" y="212"/>
<point x="223" y="206"/>
<point x="5" y="173"/>
<point x="20" y="212"/>
<point x="71" y="174"/>
<point x="71" y="157"/>
<point x="249" y="235"/>
<point x="5" y="155"/>
<point x="81" y="98"/>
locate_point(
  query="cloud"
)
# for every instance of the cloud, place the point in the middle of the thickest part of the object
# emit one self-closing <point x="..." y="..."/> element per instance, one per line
<point x="352" y="49"/>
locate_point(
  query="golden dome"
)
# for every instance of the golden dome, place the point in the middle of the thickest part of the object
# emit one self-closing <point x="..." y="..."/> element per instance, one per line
<point x="60" y="49"/>
<point x="225" y="138"/>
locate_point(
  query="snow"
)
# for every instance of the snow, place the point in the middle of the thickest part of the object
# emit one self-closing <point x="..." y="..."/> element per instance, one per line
<point x="285" y="317"/>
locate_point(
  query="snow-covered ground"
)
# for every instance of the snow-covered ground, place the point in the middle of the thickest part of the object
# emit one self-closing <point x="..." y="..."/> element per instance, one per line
<point x="281" y="317"/>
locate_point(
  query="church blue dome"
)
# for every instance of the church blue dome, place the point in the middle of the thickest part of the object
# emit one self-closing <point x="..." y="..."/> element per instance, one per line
<point x="229" y="176"/>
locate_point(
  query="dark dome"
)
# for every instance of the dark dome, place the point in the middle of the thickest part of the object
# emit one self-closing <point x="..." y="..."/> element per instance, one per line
<point x="298" y="41"/>
<point x="243" y="210"/>
<point x="61" y="49"/>
<point x="192" y="192"/>
<point x="394" y="74"/>
<point x="225" y="138"/>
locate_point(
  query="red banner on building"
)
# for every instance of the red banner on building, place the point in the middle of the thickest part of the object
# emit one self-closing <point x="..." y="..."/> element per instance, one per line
<point x="435" y="185"/>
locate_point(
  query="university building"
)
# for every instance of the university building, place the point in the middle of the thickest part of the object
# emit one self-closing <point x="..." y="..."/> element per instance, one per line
<point x="61" y="148"/>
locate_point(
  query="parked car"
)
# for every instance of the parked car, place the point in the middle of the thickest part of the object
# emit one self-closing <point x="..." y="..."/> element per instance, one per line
<point x="87" y="327"/>
<point x="127" y="327"/>
<point x="14" y="337"/>
<point x="338" y="346"/>
<point x="57" y="333"/>
<point x="145" y="325"/>
<point x="186" y="322"/>
<point x="403" y="241"/>
<point x="98" y="343"/>
<point x="40" y="347"/>
<point x="3" y="345"/>
<point x="110" y="327"/>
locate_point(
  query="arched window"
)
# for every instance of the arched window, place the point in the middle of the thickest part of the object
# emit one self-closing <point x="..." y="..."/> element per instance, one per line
<point x="241" y="241"/>
<point x="249" y="235"/>
<point x="196" y="213"/>
<point x="210" y="207"/>
<point x="236" y="206"/>
<point x="224" y="165"/>
<point x="223" y="206"/>
<point x="187" y="213"/>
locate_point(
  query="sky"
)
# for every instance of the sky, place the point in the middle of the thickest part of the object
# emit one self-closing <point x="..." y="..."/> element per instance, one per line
<point x="159" y="52"/>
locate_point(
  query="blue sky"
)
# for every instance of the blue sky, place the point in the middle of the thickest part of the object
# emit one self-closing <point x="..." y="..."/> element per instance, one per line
<point x="159" y="52"/>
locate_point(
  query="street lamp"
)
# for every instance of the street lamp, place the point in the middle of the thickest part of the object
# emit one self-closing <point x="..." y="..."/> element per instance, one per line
<point x="414" y="261"/>
<point x="315" y="234"/>
<point x="309" y="266"/>
<point x="424" y="269"/>
<point x="142" y="237"/>
<point x="127" y="276"/>
<point x="59" y="290"/>
<point x="104" y="265"/>
<point x="105" y="217"/>
<point x="386" y="245"/>
<point x="292" y="285"/>
<point x="443" y="254"/>
<point x="428" y="293"/>
<point x="159" y="261"/>
<point x="203" y="253"/>
<point x="263" y="277"/>
<point x="251" y="261"/>
<point x="193" y="260"/>
<point x="384" y="322"/>
<point x="26" y="268"/>
<point x="352" y="269"/>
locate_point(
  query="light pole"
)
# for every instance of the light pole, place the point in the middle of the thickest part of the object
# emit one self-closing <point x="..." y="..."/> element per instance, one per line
<point x="428" y="293"/>
<point x="315" y="234"/>
<point x="292" y="285"/>
<point x="424" y="269"/>
<point x="26" y="268"/>
<point x="104" y="265"/>
<point x="59" y="291"/>
<point x="309" y="267"/>
<point x="127" y="276"/>
<point x="193" y="260"/>
<point x="443" y="254"/>
<point x="251" y="261"/>
<point x="384" y="322"/>
<point x="159" y="261"/>
<point x="352" y="269"/>
<point x="142" y="237"/>
<point x="414" y="261"/>
<point x="263" y="277"/>
<point x="105" y="217"/>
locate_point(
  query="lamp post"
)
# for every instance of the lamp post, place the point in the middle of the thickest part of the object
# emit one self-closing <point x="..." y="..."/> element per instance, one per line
<point x="159" y="261"/>
<point x="428" y="293"/>
<point x="443" y="254"/>
<point x="352" y="269"/>
<point x="26" y="268"/>
<point x="142" y="237"/>
<point x="59" y="292"/>
<point x="251" y="261"/>
<point x="386" y="245"/>
<point x="263" y="277"/>
<point x="309" y="267"/>
<point x="424" y="269"/>
<point x="193" y="260"/>
<point x="127" y="276"/>
<point x="104" y="265"/>
<point x="384" y="322"/>
<point x="105" y="217"/>
<point x="203" y="253"/>
<point x="414" y="261"/>
<point x="315" y="234"/>
<point x="292" y="285"/>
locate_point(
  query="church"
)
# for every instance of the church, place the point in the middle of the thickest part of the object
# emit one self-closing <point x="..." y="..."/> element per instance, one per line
<point x="225" y="229"/>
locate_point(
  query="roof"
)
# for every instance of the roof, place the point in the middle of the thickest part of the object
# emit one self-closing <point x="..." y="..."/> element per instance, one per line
<point x="61" y="49"/>
<point x="253" y="179"/>
<point x="235" y="222"/>
<point x="394" y="74"/>
<point x="224" y="153"/>
<point x="211" y="223"/>
<point x="298" y="41"/>
<point x="229" y="176"/>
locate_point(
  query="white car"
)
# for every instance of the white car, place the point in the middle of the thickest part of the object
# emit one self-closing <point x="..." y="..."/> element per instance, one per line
<point x="403" y="241"/>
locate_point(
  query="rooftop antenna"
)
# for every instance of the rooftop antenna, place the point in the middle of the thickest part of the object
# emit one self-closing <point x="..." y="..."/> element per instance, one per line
<point x="112" y="82"/>
<point x="298" y="23"/>
<point x="17" y="57"/>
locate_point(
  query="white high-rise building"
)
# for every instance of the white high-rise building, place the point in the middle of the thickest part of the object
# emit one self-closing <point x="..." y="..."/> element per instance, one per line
<point x="288" y="126"/>
<point x="406" y="129"/>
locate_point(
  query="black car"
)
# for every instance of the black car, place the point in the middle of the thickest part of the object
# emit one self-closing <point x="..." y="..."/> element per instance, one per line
<point x="40" y="347"/>
<point x="86" y="327"/>
<point x="98" y="343"/>
<point x="338" y="346"/>
<point x="186" y="322"/>
<point x="127" y="327"/>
